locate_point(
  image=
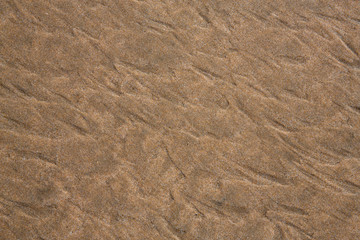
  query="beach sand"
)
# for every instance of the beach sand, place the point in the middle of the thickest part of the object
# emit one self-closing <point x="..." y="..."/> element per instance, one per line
<point x="199" y="120"/>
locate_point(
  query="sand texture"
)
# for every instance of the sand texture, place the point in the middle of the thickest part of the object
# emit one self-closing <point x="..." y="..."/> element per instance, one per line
<point x="179" y="119"/>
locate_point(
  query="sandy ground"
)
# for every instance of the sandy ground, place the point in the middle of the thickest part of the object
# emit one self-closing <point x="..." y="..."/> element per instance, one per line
<point x="199" y="120"/>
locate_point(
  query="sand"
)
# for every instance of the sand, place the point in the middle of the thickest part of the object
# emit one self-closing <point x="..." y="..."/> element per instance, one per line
<point x="199" y="120"/>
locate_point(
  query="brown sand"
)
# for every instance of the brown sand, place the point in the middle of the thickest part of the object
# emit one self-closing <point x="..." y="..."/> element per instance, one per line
<point x="129" y="119"/>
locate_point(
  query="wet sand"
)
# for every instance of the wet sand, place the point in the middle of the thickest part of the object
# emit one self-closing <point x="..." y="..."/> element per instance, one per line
<point x="199" y="120"/>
